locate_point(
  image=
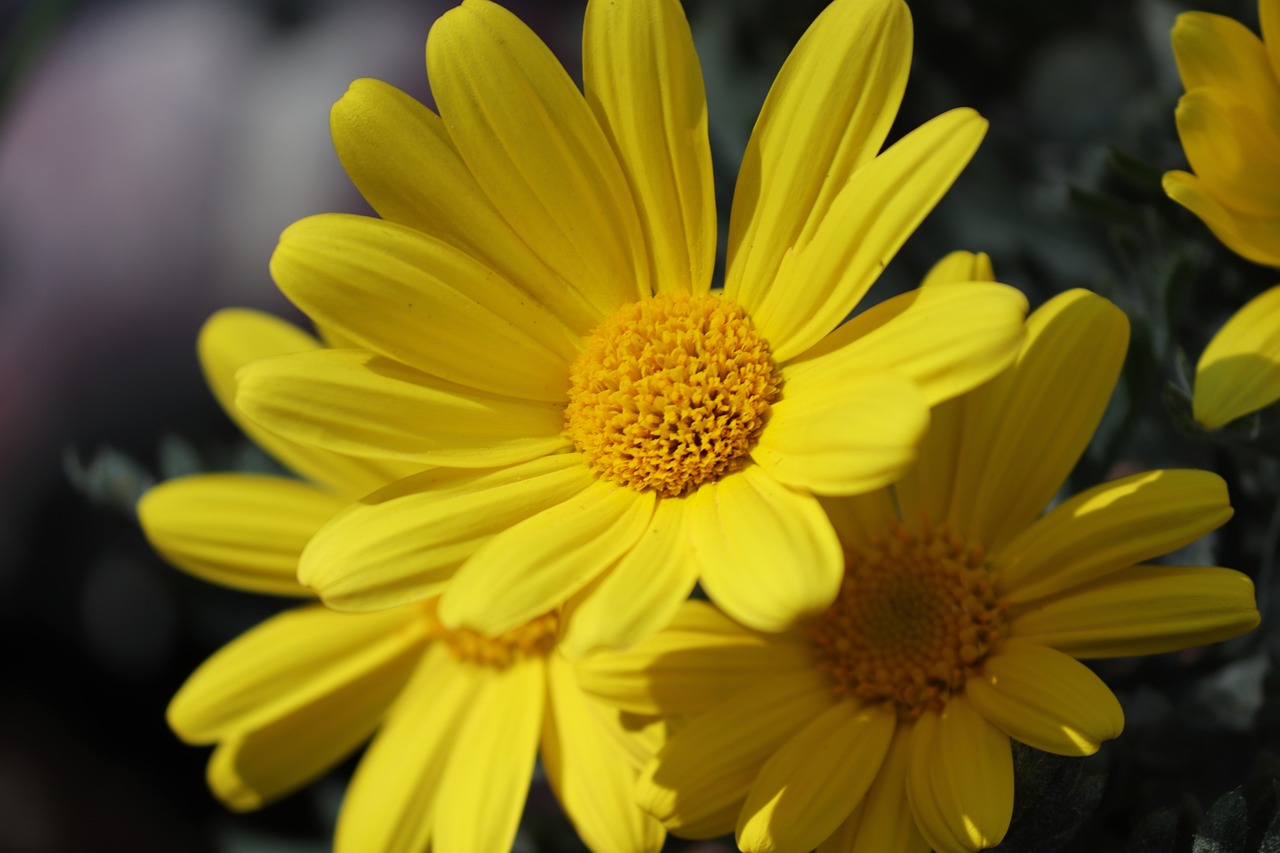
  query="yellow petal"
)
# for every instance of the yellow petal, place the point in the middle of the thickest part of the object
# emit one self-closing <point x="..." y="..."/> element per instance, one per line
<point x="392" y="802"/>
<point x="1214" y="50"/>
<point x="1145" y="610"/>
<point x="699" y="781"/>
<point x="860" y="518"/>
<point x="639" y="595"/>
<point x="699" y="660"/>
<point x="948" y="340"/>
<point x="359" y="404"/>
<point x="1232" y="149"/>
<point x="1045" y="699"/>
<point x="826" y="116"/>
<point x="1239" y="371"/>
<point x="1024" y="430"/>
<point x="822" y="278"/>
<point x="591" y="776"/>
<point x="1251" y="237"/>
<point x="643" y="82"/>
<point x="234" y="337"/>
<point x="399" y="155"/>
<point x="960" y="267"/>
<point x="883" y="823"/>
<point x="487" y="778"/>
<point x="928" y="487"/>
<point x="537" y="564"/>
<point x="1109" y="527"/>
<point x="414" y="299"/>
<point x="769" y="556"/>
<point x="290" y="661"/>
<point x="815" y="780"/>
<point x="530" y="140"/>
<point x="838" y="431"/>
<point x="1269" y="17"/>
<point x="404" y="542"/>
<point x="240" y="530"/>
<point x="960" y="779"/>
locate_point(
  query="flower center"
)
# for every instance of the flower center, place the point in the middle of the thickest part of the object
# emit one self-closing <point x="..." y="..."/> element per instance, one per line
<point x="670" y="393"/>
<point x="535" y="638"/>
<point x="916" y="616"/>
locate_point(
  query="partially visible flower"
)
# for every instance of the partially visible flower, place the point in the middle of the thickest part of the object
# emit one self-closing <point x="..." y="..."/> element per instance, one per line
<point x="1229" y="123"/>
<point x="884" y="725"/>
<point x="534" y="311"/>
<point x="1239" y="372"/>
<point x="458" y="717"/>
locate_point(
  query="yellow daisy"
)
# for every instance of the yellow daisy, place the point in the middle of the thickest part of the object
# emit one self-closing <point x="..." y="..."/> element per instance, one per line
<point x="533" y="311"/>
<point x="1229" y="123"/>
<point x="458" y="718"/>
<point x="884" y="724"/>
<point x="1239" y="372"/>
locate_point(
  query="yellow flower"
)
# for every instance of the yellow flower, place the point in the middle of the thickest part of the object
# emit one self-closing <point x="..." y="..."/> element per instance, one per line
<point x="458" y="717"/>
<point x="1229" y="123"/>
<point x="534" y="313"/>
<point x="884" y="725"/>
<point x="1239" y="372"/>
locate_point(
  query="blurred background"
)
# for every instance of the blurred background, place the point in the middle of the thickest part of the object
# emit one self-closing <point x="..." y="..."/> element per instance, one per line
<point x="150" y="154"/>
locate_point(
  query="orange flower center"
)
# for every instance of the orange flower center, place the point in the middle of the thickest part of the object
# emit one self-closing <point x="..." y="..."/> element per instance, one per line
<point x="670" y="393"/>
<point x="916" y="616"/>
<point x="536" y="638"/>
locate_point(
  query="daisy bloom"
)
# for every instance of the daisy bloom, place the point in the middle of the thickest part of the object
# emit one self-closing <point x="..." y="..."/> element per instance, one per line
<point x="458" y="717"/>
<point x="533" y="313"/>
<point x="883" y="725"/>
<point x="1229" y="123"/>
<point x="1239" y="372"/>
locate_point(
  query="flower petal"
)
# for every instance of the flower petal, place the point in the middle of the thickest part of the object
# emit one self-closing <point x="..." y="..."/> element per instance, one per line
<point x="486" y="781"/>
<point x="698" y="782"/>
<point x="1214" y="50"/>
<point x="1269" y="18"/>
<point x="769" y="556"/>
<point x="244" y="531"/>
<point x="639" y="595"/>
<point x="392" y="802"/>
<point x="404" y="542"/>
<point x="536" y="565"/>
<point x="1254" y="238"/>
<point x="960" y="267"/>
<point x="826" y="116"/>
<point x="399" y="155"/>
<point x="883" y="823"/>
<point x="816" y="779"/>
<point x="1239" y="371"/>
<point x="948" y="340"/>
<point x="643" y="82"/>
<point x="1045" y="408"/>
<point x="360" y="404"/>
<point x="589" y="773"/>
<point x="1045" y="699"/>
<point x="699" y="660"/>
<point x="861" y="518"/>
<point x="960" y="780"/>
<point x="824" y="276"/>
<point x="290" y="661"/>
<point x="530" y="140"/>
<point x="1231" y="148"/>
<point x="412" y="298"/>
<point x="234" y="337"/>
<point x="840" y="432"/>
<point x="1146" y="610"/>
<point x="1109" y="527"/>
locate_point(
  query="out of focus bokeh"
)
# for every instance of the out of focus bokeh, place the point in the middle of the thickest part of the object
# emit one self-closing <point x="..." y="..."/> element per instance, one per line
<point x="151" y="151"/>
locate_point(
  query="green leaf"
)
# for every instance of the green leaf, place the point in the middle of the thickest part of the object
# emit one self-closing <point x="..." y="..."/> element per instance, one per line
<point x="1225" y="827"/>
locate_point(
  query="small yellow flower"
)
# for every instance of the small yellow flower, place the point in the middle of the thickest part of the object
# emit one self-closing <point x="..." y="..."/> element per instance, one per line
<point x="457" y="719"/>
<point x="884" y="724"/>
<point x="1229" y="123"/>
<point x="1239" y="372"/>
<point x="534" y="313"/>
